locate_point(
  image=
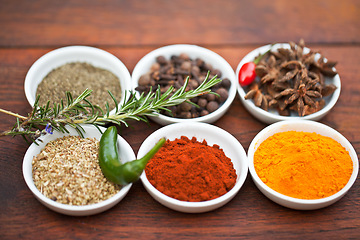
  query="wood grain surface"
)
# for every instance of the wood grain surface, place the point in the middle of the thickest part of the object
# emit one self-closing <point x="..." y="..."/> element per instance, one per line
<point x="131" y="29"/>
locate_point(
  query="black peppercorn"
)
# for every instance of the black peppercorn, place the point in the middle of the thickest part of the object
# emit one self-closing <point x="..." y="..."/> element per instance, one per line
<point x="173" y="72"/>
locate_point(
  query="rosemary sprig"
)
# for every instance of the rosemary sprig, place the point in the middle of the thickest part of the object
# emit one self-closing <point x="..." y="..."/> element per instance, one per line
<point x="81" y="111"/>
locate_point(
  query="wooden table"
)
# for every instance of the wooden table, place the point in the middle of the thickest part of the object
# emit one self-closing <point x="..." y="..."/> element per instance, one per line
<point x="129" y="30"/>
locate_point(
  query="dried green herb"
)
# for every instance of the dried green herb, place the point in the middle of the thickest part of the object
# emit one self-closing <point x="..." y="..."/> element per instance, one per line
<point x="75" y="77"/>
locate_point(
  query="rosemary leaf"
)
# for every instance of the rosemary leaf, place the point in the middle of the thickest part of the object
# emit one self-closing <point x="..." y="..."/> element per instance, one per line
<point x="77" y="111"/>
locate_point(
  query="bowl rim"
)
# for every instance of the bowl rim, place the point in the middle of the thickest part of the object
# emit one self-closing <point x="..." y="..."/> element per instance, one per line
<point x="271" y="117"/>
<point x="61" y="207"/>
<point x="279" y="127"/>
<point x="241" y="175"/>
<point x="71" y="54"/>
<point x="193" y="51"/>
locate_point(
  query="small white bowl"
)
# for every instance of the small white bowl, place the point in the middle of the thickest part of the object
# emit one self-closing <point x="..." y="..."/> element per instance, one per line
<point x="143" y="66"/>
<point x="126" y="154"/>
<point x="303" y="126"/>
<point x="213" y="135"/>
<point x="58" y="57"/>
<point x="272" y="116"/>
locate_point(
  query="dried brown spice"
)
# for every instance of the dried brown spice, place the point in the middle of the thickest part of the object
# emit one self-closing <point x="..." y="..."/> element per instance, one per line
<point x="256" y="94"/>
<point x="174" y="71"/>
<point x="290" y="80"/>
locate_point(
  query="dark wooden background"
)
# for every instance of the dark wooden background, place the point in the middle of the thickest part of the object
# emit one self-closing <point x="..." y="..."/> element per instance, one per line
<point x="129" y="30"/>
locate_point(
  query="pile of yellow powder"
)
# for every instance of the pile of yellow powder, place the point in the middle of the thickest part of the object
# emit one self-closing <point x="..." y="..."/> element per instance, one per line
<point x="303" y="165"/>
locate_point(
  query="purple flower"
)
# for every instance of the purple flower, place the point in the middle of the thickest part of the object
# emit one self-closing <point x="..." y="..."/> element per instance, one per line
<point x="48" y="128"/>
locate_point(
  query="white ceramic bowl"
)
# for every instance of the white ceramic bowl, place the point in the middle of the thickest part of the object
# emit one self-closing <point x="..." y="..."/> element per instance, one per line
<point x="126" y="154"/>
<point x="304" y="126"/>
<point x="58" y="57"/>
<point x="143" y="66"/>
<point x="213" y="135"/>
<point x="272" y="116"/>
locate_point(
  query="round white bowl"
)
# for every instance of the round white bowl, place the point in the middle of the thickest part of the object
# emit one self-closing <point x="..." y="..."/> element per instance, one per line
<point x="213" y="135"/>
<point x="303" y="126"/>
<point x="58" y="57"/>
<point x="272" y="116"/>
<point x="143" y="66"/>
<point x="126" y="154"/>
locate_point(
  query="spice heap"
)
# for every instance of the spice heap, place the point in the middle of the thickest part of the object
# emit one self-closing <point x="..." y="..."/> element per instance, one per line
<point x="173" y="72"/>
<point x="67" y="171"/>
<point x="303" y="165"/>
<point x="75" y="77"/>
<point x="292" y="81"/>
<point x="192" y="171"/>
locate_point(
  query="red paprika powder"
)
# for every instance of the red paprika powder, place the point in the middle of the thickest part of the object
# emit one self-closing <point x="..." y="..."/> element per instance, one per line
<point x="191" y="171"/>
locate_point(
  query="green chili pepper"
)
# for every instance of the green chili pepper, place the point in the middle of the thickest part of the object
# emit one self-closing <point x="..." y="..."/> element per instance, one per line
<point x="110" y="164"/>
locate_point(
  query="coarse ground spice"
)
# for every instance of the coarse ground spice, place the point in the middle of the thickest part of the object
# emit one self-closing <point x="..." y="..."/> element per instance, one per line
<point x="303" y="165"/>
<point x="75" y="77"/>
<point x="192" y="171"/>
<point x="67" y="171"/>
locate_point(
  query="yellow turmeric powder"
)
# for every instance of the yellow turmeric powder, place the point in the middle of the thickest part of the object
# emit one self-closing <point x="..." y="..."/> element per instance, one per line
<point x="303" y="165"/>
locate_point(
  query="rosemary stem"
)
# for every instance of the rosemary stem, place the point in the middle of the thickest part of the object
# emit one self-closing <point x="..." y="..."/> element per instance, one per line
<point x="13" y="114"/>
<point x="78" y="111"/>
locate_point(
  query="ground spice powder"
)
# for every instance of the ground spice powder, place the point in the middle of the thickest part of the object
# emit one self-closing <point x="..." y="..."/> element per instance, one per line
<point x="76" y="77"/>
<point x="303" y="165"/>
<point x="190" y="170"/>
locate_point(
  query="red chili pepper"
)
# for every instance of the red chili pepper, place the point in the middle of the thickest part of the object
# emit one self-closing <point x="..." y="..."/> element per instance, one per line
<point x="247" y="72"/>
